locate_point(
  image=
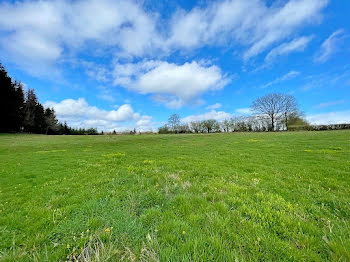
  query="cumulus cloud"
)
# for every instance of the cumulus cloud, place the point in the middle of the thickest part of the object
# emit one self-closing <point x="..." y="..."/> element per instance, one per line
<point x="297" y="45"/>
<point x="78" y="113"/>
<point x="171" y="84"/>
<point x="290" y="75"/>
<point x="213" y="114"/>
<point x="330" y="46"/>
<point x="339" y="117"/>
<point x="47" y="32"/>
<point x="40" y="31"/>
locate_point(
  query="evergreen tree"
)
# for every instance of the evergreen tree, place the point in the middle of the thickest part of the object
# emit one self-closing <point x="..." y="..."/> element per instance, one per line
<point x="66" y="129"/>
<point x="18" y="107"/>
<point x="11" y="103"/>
<point x="51" y="121"/>
<point x="39" y="119"/>
<point x="29" y="111"/>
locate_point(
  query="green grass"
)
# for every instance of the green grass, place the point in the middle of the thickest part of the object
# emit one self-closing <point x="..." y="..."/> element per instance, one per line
<point x="220" y="197"/>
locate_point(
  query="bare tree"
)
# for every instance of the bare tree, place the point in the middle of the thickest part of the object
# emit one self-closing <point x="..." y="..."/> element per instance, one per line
<point x="290" y="108"/>
<point x="272" y="106"/>
<point x="195" y="126"/>
<point x="174" y="122"/>
<point x="226" y="125"/>
<point x="233" y="123"/>
<point x="209" y="124"/>
<point x="184" y="128"/>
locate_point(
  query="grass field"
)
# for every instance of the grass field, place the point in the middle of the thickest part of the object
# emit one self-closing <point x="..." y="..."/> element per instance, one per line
<point x="220" y="197"/>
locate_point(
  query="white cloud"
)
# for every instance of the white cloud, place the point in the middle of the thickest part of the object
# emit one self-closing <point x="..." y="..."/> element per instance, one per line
<point x="144" y="121"/>
<point x="171" y="84"/>
<point x="298" y="44"/>
<point x="46" y="32"/>
<point x="41" y="32"/>
<point x="330" y="46"/>
<point x="78" y="113"/>
<point x="217" y="115"/>
<point x="214" y="106"/>
<point x="286" y="77"/>
<point x="330" y="103"/>
<point x="244" y="111"/>
<point x="279" y="23"/>
<point x="227" y="22"/>
<point x="340" y="117"/>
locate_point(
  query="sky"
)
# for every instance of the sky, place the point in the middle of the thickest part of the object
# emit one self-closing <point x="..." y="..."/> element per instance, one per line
<point x="119" y="65"/>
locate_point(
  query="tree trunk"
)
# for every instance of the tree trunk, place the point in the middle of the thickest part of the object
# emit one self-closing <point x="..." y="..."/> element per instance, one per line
<point x="272" y="124"/>
<point x="286" y="120"/>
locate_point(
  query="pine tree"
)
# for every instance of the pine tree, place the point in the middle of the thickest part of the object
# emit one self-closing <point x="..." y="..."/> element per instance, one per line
<point x="39" y="119"/>
<point x="18" y="107"/>
<point x="51" y="121"/>
<point x="29" y="111"/>
<point x="11" y="103"/>
<point x="6" y="97"/>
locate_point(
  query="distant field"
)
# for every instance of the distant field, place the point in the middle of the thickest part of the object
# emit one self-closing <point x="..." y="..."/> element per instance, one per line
<point x="219" y="197"/>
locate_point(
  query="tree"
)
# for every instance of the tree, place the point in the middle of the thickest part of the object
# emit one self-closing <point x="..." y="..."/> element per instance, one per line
<point x="272" y="106"/>
<point x="209" y="124"/>
<point x="29" y="111"/>
<point x="226" y="125"/>
<point x="11" y="103"/>
<point x="183" y="129"/>
<point x="195" y="126"/>
<point x="66" y="129"/>
<point x="18" y="107"/>
<point x="163" y="129"/>
<point x="297" y="122"/>
<point x="174" y="122"/>
<point x="39" y="119"/>
<point x="290" y="108"/>
<point x="50" y="121"/>
<point x="6" y="92"/>
<point x="233" y="123"/>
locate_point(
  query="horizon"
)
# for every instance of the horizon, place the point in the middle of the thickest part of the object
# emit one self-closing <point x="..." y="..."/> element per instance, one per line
<point x="133" y="64"/>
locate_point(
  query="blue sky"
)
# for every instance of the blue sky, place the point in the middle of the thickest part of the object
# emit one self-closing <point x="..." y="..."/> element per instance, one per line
<point x="124" y="64"/>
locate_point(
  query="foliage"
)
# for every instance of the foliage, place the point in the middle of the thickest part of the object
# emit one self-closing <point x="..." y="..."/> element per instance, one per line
<point x="210" y="197"/>
<point x="164" y="130"/>
<point x="11" y="103"/>
<point x="23" y="112"/>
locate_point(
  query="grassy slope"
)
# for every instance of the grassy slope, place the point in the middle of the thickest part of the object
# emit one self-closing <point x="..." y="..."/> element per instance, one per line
<point x="248" y="196"/>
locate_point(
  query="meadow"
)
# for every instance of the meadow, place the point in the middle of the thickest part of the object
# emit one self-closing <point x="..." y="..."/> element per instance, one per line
<point x="209" y="197"/>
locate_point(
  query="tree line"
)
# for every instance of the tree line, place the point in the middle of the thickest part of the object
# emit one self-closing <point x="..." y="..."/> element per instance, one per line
<point x="272" y="112"/>
<point x="22" y="112"/>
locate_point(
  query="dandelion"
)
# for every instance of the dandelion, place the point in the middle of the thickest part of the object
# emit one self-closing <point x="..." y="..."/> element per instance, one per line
<point x="184" y="232"/>
<point x="107" y="230"/>
<point x="68" y="246"/>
